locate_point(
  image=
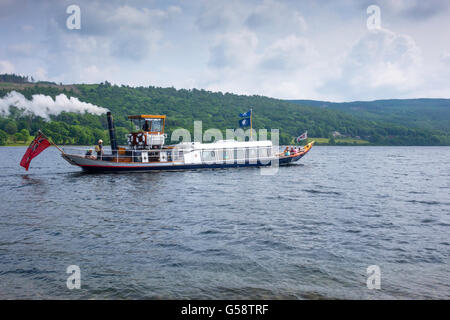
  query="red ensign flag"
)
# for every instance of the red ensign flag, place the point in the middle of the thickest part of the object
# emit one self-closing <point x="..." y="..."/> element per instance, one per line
<point x="39" y="144"/>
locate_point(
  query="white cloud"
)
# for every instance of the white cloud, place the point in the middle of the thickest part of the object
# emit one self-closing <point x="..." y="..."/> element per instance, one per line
<point x="415" y="9"/>
<point x="276" y="16"/>
<point x="381" y="61"/>
<point x="283" y="69"/>
<point x="127" y="17"/>
<point x="124" y="32"/>
<point x="220" y="15"/>
<point x="25" y="48"/>
<point x="289" y="53"/>
<point x="40" y="74"/>
<point x="111" y="36"/>
<point x="286" y="49"/>
<point x="445" y="58"/>
<point x="6" y="66"/>
<point x="236" y="49"/>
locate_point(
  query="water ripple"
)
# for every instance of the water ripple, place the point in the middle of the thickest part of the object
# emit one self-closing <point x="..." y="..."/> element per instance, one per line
<point x="308" y="232"/>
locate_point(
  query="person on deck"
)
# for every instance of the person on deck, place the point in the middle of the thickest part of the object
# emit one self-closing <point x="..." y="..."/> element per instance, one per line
<point x="89" y="155"/>
<point x="99" y="149"/>
<point x="146" y="126"/>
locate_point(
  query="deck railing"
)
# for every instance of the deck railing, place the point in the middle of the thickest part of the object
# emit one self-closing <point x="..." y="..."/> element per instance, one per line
<point x="208" y="156"/>
<point x="118" y="155"/>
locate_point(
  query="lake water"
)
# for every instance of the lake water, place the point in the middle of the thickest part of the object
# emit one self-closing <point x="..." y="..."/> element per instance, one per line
<point x="308" y="232"/>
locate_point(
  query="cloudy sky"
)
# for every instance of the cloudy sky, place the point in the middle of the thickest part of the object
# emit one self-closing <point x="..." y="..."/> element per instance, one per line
<point x="285" y="49"/>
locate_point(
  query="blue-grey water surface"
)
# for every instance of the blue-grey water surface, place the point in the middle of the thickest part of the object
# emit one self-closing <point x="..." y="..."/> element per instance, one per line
<point x="308" y="232"/>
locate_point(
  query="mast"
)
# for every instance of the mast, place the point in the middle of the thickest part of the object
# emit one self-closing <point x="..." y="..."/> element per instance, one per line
<point x="251" y="124"/>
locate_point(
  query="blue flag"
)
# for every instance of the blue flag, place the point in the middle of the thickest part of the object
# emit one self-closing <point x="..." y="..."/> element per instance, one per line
<point x="245" y="115"/>
<point x="244" y="122"/>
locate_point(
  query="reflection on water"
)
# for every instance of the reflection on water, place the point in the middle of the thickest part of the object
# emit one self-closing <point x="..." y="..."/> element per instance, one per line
<point x="308" y="232"/>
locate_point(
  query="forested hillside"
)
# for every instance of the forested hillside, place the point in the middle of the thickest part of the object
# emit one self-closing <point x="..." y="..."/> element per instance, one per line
<point x="182" y="107"/>
<point x="432" y="114"/>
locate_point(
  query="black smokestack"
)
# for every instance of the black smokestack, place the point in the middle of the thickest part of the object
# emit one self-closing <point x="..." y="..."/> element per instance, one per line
<point x="112" y="133"/>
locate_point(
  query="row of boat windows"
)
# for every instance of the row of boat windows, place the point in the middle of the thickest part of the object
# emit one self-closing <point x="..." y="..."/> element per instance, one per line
<point x="231" y="154"/>
<point x="214" y="155"/>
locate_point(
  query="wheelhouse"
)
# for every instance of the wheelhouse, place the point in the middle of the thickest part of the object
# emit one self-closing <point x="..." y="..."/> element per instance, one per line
<point x="152" y="124"/>
<point x="149" y="132"/>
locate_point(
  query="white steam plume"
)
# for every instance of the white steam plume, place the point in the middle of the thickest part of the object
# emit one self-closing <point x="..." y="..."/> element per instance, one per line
<point x="44" y="106"/>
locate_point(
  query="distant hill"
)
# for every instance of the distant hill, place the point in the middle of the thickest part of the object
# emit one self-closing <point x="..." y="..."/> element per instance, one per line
<point x="432" y="114"/>
<point x="215" y="109"/>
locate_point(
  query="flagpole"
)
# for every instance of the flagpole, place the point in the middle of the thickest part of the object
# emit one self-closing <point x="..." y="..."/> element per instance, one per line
<point x="51" y="141"/>
<point x="251" y="125"/>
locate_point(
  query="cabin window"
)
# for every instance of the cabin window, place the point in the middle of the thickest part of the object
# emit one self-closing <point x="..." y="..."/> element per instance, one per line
<point x="239" y="154"/>
<point x="228" y="155"/>
<point x="149" y="124"/>
<point x="209" y="155"/>
<point x="156" y="125"/>
<point x="179" y="155"/>
<point x="252" y="153"/>
<point x="263" y="152"/>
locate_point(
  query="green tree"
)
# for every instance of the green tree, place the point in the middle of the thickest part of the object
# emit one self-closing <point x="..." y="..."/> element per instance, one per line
<point x="217" y="110"/>
<point x="11" y="127"/>
<point x="3" y="137"/>
<point x="331" y="140"/>
<point x="122" y="135"/>
<point x="23" y="135"/>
